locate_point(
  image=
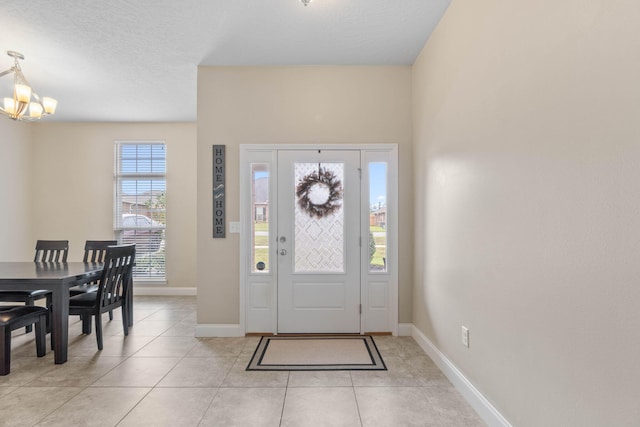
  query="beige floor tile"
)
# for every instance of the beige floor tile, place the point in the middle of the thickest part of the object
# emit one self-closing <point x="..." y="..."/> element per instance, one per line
<point x="150" y="328"/>
<point x="185" y="328"/>
<point x="140" y="314"/>
<point x="26" y="369"/>
<point x="199" y="372"/>
<point x="170" y="407"/>
<point x="77" y="372"/>
<point x="402" y="347"/>
<point x="320" y="406"/>
<point x="28" y="405"/>
<point x="396" y="406"/>
<point x="216" y="347"/>
<point x="320" y="379"/>
<point x="96" y="407"/>
<point x="138" y="372"/>
<point x="452" y="408"/>
<point x="416" y="371"/>
<point x="240" y="377"/>
<point x="167" y="347"/>
<point x="254" y="407"/>
<point x="6" y="389"/>
<point x="115" y="345"/>
<point x="176" y="315"/>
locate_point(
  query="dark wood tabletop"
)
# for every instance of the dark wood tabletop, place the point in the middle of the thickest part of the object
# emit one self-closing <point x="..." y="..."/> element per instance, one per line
<point x="36" y="271"/>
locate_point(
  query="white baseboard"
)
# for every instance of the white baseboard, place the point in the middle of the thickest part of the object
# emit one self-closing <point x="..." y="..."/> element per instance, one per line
<point x="482" y="406"/>
<point x="219" y="331"/>
<point x="163" y="290"/>
<point x="405" y="329"/>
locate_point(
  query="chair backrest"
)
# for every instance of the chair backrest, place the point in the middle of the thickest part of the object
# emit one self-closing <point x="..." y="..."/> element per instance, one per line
<point x="116" y="275"/>
<point x="96" y="250"/>
<point x="51" y="251"/>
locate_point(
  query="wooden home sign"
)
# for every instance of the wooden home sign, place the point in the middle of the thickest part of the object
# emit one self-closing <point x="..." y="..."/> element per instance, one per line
<point x="218" y="191"/>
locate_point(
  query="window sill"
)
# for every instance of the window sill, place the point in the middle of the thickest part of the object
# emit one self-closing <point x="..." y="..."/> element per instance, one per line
<point x="149" y="281"/>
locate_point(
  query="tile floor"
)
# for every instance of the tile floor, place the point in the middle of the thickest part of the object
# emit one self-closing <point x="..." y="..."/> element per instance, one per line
<point x="161" y="375"/>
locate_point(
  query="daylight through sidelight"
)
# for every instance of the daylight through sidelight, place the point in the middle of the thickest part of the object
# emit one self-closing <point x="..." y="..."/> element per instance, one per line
<point x="378" y="216"/>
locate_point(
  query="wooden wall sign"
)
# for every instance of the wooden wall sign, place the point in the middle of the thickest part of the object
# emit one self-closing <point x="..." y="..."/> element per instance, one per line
<point x="218" y="191"/>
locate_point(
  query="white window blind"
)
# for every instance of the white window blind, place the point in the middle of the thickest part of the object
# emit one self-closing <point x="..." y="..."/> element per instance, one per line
<point x="140" y="204"/>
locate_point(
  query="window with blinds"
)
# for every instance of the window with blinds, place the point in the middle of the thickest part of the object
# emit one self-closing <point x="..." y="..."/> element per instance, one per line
<point x="140" y="204"/>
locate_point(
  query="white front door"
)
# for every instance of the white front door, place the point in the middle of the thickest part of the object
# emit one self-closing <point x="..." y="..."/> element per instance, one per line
<point x="318" y="238"/>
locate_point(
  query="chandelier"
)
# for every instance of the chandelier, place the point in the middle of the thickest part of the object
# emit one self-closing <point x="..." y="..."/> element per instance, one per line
<point x="24" y="98"/>
<point x="305" y="2"/>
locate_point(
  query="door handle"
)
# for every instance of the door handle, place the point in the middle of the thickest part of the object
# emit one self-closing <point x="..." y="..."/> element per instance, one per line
<point x="283" y="251"/>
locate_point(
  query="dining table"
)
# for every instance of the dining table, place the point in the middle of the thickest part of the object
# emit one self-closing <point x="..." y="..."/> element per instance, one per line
<point x="56" y="277"/>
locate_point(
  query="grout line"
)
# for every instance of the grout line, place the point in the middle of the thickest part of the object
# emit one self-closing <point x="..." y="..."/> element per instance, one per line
<point x="355" y="396"/>
<point x="284" y="400"/>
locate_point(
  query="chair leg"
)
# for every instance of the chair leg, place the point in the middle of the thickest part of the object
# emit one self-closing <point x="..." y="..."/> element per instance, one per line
<point x="111" y="315"/>
<point x="49" y="303"/>
<point x="29" y="301"/>
<point x="5" y="350"/>
<point x="41" y="335"/>
<point x="125" y="321"/>
<point x="86" y="324"/>
<point x="99" y="330"/>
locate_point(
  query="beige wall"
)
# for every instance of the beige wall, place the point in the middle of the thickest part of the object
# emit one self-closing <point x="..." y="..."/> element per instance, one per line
<point x="303" y="105"/>
<point x="72" y="192"/>
<point x="15" y="184"/>
<point x="526" y="133"/>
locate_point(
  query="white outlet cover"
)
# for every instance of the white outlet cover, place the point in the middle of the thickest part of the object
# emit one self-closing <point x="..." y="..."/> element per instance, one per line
<point x="465" y="336"/>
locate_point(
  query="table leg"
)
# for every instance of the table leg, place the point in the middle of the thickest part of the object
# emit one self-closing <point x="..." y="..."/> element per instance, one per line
<point x="60" y="323"/>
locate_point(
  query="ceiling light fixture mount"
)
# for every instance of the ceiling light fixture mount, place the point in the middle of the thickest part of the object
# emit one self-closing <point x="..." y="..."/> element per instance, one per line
<point x="305" y="2"/>
<point x="24" y="96"/>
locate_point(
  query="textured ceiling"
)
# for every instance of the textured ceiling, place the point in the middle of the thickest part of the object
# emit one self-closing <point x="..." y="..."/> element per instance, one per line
<point x="137" y="60"/>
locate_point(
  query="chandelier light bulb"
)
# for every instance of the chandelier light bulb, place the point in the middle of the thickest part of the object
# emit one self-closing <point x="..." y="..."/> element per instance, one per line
<point x="49" y="105"/>
<point x="23" y="93"/>
<point x="35" y="109"/>
<point x="9" y="106"/>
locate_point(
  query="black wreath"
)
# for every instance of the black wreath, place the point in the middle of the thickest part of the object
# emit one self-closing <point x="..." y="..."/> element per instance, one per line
<point x="324" y="177"/>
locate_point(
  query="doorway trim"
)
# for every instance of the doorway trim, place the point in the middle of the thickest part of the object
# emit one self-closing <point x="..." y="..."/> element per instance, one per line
<point x="258" y="290"/>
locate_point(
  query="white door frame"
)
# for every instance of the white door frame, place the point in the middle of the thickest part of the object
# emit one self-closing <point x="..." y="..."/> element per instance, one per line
<point x="258" y="290"/>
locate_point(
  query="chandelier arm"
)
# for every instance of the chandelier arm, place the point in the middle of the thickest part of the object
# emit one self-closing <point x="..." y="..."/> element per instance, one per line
<point x="9" y="71"/>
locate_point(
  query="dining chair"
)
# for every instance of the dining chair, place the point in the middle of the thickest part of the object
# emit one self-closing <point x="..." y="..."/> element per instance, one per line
<point x="95" y="251"/>
<point x="51" y="251"/>
<point x="113" y="288"/>
<point x="13" y="317"/>
<point x="46" y="251"/>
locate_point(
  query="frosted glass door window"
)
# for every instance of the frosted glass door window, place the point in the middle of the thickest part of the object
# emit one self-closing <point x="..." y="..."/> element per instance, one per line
<point x="319" y="228"/>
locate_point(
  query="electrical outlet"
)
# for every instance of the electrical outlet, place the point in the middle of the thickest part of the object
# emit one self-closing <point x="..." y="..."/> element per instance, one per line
<point x="465" y="336"/>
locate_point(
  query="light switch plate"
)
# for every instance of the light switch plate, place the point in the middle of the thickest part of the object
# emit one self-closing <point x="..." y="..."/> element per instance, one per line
<point x="234" y="227"/>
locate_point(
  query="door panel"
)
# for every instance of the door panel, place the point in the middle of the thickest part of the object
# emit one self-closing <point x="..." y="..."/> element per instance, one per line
<point x="318" y="241"/>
